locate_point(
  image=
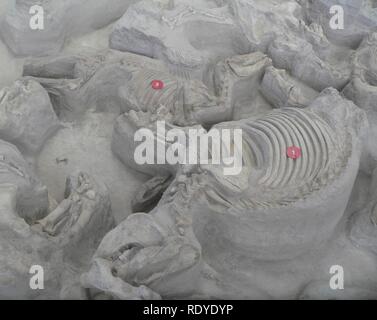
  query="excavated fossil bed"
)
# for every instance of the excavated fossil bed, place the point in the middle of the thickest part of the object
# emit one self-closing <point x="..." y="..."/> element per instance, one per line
<point x="75" y="204"/>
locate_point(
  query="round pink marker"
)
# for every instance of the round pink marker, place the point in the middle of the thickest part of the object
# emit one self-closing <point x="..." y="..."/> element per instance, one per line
<point x="293" y="152"/>
<point x="157" y="84"/>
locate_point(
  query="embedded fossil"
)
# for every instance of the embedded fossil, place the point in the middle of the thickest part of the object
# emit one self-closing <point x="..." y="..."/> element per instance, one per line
<point x="150" y="193"/>
<point x="30" y="233"/>
<point x="299" y="57"/>
<point x="123" y="80"/>
<point x="173" y="34"/>
<point x="302" y="93"/>
<point x="283" y="91"/>
<point x="270" y="185"/>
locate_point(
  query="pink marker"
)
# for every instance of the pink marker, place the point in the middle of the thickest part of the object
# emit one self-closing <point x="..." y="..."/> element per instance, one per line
<point x="157" y="84"/>
<point x="293" y="152"/>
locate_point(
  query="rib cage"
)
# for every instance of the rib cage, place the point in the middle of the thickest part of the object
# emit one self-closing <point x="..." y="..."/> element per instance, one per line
<point x="270" y="136"/>
<point x="284" y="180"/>
<point x="149" y="97"/>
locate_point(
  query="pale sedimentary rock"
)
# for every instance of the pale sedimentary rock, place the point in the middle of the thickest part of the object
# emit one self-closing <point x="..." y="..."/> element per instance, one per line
<point x="82" y="216"/>
<point x="61" y="20"/>
<point x="363" y="225"/>
<point x="174" y="34"/>
<point x="239" y="78"/>
<point x="262" y="21"/>
<point x="78" y="83"/>
<point x="360" y="17"/>
<point x="127" y="230"/>
<point x="121" y="82"/>
<point x="362" y="89"/>
<point x="266" y="213"/>
<point x="29" y="195"/>
<point x="284" y="91"/>
<point x="150" y="193"/>
<point x="299" y="58"/>
<point x="27" y="116"/>
<point x="61" y="243"/>
<point x="31" y="235"/>
<point x="86" y="145"/>
<point x="246" y="26"/>
<point x="236" y="80"/>
<point x="123" y="144"/>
